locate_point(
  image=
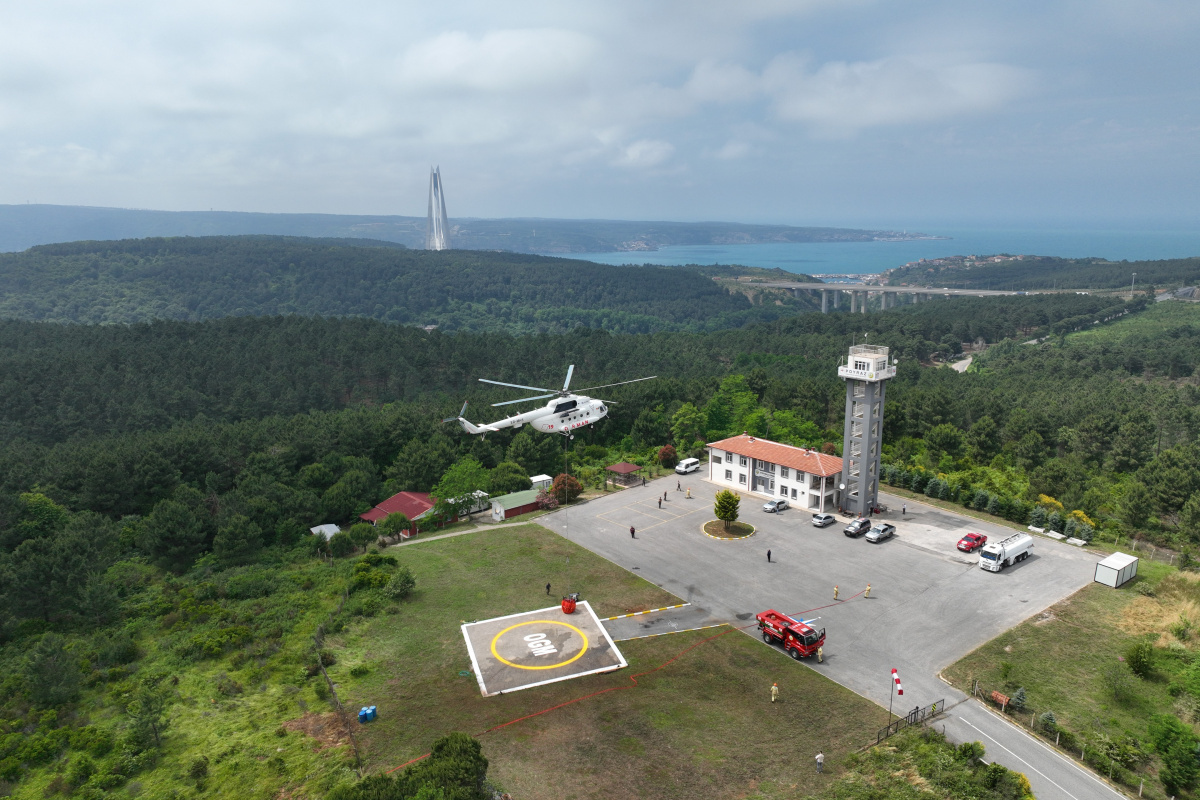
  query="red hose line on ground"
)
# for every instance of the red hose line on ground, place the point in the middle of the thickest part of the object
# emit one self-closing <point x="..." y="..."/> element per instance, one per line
<point x="633" y="678"/>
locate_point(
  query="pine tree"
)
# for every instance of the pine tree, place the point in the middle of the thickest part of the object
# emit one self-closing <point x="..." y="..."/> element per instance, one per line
<point x="726" y="506"/>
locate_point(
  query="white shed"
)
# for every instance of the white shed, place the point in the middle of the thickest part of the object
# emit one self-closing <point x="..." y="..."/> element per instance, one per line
<point x="542" y="482"/>
<point x="1116" y="569"/>
<point x="325" y="531"/>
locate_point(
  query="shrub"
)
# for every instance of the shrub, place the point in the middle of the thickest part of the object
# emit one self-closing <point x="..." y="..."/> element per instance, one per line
<point x="668" y="457"/>
<point x="1055" y="522"/>
<point x="566" y="488"/>
<point x="1140" y="658"/>
<point x="1048" y="721"/>
<point x="80" y="770"/>
<point x="359" y="671"/>
<point x="546" y="501"/>
<point x="1017" y="701"/>
<point x="401" y="584"/>
<point x="993" y="505"/>
<point x="198" y="769"/>
<point x="341" y="545"/>
<point x="1037" y="517"/>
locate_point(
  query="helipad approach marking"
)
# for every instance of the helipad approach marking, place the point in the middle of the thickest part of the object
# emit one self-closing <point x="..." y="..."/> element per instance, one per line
<point x="607" y="516"/>
<point x="575" y="657"/>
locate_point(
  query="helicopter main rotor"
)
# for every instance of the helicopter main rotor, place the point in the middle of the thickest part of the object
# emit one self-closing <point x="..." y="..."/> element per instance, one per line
<point x="563" y="392"/>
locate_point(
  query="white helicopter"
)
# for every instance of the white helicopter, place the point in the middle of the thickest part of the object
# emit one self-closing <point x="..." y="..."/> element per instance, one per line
<point x="564" y="414"/>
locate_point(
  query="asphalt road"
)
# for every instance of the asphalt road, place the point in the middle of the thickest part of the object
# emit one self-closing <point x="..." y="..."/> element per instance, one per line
<point x="929" y="604"/>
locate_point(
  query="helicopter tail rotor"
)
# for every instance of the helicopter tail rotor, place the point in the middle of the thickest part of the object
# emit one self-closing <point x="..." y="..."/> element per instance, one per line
<point x="460" y="414"/>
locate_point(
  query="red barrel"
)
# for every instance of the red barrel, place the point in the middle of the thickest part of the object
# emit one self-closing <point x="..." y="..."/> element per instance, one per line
<point x="568" y="605"/>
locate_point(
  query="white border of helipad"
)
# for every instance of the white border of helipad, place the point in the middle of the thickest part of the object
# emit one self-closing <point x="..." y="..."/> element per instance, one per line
<point x="584" y="605"/>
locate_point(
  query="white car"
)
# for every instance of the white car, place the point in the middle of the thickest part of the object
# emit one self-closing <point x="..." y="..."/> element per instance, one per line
<point x="687" y="465"/>
<point x="771" y="506"/>
<point x="823" y="520"/>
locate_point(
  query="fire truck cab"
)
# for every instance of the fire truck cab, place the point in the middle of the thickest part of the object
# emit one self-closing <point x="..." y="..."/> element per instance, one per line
<point x="798" y="639"/>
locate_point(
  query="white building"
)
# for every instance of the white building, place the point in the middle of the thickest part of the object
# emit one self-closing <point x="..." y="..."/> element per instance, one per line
<point x="807" y="479"/>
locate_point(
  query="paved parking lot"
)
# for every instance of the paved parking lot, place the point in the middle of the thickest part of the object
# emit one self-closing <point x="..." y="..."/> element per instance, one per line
<point x="929" y="604"/>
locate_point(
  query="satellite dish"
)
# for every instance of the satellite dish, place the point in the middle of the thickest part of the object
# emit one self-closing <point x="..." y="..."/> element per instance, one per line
<point x="842" y="486"/>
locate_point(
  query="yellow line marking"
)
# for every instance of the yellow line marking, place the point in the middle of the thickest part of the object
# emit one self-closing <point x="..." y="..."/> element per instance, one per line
<point x="576" y="657"/>
<point x="668" y="633"/>
<point x="650" y="611"/>
<point x="729" y="538"/>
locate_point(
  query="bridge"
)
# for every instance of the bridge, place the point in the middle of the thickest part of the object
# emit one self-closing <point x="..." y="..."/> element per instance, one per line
<point x="888" y="295"/>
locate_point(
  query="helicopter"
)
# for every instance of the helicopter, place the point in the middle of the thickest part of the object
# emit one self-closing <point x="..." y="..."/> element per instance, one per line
<point x="566" y="412"/>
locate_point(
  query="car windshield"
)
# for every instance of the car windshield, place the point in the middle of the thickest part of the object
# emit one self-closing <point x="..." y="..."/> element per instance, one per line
<point x="987" y="555"/>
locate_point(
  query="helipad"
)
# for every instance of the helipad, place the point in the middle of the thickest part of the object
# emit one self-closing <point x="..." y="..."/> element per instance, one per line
<point x="536" y="647"/>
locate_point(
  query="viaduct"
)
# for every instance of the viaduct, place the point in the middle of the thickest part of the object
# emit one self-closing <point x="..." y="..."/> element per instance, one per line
<point x="889" y="295"/>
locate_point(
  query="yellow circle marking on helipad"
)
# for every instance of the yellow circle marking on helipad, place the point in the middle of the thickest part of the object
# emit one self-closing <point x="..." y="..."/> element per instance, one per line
<point x="576" y="657"/>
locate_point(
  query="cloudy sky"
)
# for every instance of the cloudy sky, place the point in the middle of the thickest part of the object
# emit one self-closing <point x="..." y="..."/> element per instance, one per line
<point x="842" y="112"/>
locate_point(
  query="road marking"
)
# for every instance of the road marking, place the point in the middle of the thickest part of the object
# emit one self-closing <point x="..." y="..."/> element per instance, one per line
<point x="639" y="613"/>
<point x="1049" y="749"/>
<point x="668" y="633"/>
<point x="1038" y="771"/>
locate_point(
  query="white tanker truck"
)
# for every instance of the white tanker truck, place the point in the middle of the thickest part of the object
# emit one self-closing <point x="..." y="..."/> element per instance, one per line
<point x="995" y="556"/>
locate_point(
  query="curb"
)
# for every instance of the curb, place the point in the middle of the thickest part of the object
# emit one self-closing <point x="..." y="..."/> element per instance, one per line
<point x="729" y="538"/>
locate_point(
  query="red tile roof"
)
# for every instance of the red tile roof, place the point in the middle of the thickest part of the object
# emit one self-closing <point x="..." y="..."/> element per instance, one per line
<point x="623" y="468"/>
<point x="797" y="458"/>
<point x="410" y="504"/>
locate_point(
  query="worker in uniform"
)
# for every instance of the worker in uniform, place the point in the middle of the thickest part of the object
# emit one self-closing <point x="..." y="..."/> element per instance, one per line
<point x="835" y="591"/>
<point x="820" y="762"/>
<point x="689" y="493"/>
<point x="820" y="655"/>
<point x="774" y="692"/>
<point x="867" y="593"/>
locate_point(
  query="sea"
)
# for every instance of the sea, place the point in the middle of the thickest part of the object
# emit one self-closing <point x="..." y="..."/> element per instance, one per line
<point x="866" y="258"/>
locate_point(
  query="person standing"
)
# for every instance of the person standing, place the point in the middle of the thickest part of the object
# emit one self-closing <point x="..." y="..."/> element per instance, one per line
<point x="678" y="486"/>
<point x="774" y="692"/>
<point x="632" y="534"/>
<point x="768" y="556"/>
<point x="660" y="503"/>
<point x="835" y="591"/>
<point x="820" y="762"/>
<point x="820" y="654"/>
<point x="903" y="509"/>
<point x="867" y="593"/>
<point x="664" y="495"/>
<point x="547" y="590"/>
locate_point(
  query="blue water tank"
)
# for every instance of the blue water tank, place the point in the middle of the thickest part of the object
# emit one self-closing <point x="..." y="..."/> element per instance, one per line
<point x="371" y="712"/>
<point x="364" y="715"/>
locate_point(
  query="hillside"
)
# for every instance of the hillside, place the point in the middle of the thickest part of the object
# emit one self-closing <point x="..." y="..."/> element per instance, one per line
<point x="210" y="277"/>
<point x="23" y="226"/>
<point x="1028" y="273"/>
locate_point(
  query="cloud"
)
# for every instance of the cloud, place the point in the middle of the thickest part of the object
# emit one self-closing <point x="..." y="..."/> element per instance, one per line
<point x="645" y="153"/>
<point x="497" y="61"/>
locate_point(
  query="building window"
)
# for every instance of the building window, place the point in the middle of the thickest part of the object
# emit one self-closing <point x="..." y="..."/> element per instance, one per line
<point x="742" y="478"/>
<point x="771" y="485"/>
<point x="716" y="459"/>
<point x="728" y="474"/>
<point x="742" y="462"/>
<point x="783" y="492"/>
<point x="783" y="472"/>
<point x="793" y="493"/>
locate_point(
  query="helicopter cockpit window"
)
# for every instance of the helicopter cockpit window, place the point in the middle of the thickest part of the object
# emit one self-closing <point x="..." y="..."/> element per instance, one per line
<point x="564" y="407"/>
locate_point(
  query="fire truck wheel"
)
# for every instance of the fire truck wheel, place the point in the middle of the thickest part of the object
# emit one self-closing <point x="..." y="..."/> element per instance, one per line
<point x="766" y="637"/>
<point x="796" y="654"/>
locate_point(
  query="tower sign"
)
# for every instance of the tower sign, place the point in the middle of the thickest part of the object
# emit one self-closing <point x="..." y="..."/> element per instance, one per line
<point x="866" y="373"/>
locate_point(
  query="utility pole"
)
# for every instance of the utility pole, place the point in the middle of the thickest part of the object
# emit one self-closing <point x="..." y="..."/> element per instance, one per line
<point x="1132" y="283"/>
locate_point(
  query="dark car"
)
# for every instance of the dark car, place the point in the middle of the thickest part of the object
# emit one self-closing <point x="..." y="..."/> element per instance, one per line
<point x="858" y="527"/>
<point x="972" y="541"/>
<point x="880" y="532"/>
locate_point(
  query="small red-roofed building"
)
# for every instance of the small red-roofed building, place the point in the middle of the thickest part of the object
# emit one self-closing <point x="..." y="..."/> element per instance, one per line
<point x="806" y="478"/>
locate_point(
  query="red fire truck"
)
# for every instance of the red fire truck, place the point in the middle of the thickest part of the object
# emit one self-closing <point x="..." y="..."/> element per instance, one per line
<point x="798" y="639"/>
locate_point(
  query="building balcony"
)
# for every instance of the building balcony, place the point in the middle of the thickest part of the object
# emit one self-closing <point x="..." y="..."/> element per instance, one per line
<point x="869" y="374"/>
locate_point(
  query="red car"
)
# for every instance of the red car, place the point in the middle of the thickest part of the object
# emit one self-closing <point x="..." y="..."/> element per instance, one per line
<point x="972" y="541"/>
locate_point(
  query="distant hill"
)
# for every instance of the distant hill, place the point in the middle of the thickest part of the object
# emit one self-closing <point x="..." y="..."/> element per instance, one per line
<point x="203" y="278"/>
<point x="23" y="226"/>
<point x="1027" y="273"/>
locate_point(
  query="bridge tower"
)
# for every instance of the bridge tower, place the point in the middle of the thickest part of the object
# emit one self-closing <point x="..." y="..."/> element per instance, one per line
<point x="437" y="226"/>
<point x="866" y="373"/>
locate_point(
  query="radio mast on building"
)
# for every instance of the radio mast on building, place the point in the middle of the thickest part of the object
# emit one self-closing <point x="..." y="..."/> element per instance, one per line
<point x="866" y="374"/>
<point x="437" y="228"/>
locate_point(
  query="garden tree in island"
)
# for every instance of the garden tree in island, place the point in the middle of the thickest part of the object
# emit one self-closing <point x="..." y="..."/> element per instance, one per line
<point x="726" y="506"/>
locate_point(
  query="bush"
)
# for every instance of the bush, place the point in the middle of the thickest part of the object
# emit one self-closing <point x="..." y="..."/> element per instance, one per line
<point x="1017" y="701"/>
<point x="566" y="488"/>
<point x="401" y="584"/>
<point x="359" y="671"/>
<point x="1048" y="721"/>
<point x="1140" y="658"/>
<point x="668" y="457"/>
<point x="1037" y="517"/>
<point x="341" y="545"/>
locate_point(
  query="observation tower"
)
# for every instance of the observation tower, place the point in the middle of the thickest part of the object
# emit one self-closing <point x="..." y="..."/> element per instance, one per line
<point x="866" y="373"/>
<point x="437" y="228"/>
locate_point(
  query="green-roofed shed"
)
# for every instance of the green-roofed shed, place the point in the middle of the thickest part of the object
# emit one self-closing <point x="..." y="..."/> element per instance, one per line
<point x="515" y="504"/>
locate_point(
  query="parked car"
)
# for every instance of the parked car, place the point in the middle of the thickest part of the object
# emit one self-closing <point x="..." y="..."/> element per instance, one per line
<point x="771" y="506"/>
<point x="972" y="541"/>
<point x="823" y="520"/>
<point x="687" y="465"/>
<point x="880" y="532"/>
<point x="858" y="527"/>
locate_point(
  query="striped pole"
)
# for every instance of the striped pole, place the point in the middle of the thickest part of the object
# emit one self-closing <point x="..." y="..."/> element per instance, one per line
<point x="895" y="689"/>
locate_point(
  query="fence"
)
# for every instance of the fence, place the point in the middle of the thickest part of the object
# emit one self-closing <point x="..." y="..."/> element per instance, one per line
<point x="915" y="717"/>
<point x="1106" y="756"/>
<point x="318" y="642"/>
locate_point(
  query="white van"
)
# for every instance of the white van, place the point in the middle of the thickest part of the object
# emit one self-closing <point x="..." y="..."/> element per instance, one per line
<point x="687" y="465"/>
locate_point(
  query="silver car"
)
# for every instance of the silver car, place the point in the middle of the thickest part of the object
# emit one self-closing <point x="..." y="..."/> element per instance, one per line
<point x="880" y="532"/>
<point x="823" y="520"/>
<point x="771" y="506"/>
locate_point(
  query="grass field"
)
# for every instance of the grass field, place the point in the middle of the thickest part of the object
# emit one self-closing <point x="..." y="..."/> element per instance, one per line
<point x="1061" y="658"/>
<point x="702" y="726"/>
<point x="1155" y="319"/>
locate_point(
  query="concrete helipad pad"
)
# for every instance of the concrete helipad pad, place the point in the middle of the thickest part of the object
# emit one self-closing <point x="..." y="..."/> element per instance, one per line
<point x="536" y="647"/>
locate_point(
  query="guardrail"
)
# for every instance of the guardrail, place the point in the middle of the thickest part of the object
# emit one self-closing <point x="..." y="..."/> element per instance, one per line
<point x="915" y="717"/>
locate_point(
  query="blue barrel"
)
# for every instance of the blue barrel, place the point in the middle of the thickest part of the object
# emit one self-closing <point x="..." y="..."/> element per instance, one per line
<point x="371" y="712"/>
<point x="363" y="716"/>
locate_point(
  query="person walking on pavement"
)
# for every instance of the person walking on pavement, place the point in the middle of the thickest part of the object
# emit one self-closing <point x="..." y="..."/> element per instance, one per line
<point x="547" y="589"/>
<point x="664" y="495"/>
<point x="632" y="533"/>
<point x="660" y="502"/>
<point x="768" y="556"/>
<point x="820" y="762"/>
<point x="689" y="493"/>
<point x="678" y="486"/>
<point x="774" y="692"/>
<point x="643" y="480"/>
<point x="835" y="591"/>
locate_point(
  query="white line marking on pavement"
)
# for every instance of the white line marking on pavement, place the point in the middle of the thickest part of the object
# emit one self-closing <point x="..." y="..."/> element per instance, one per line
<point x="1038" y="771"/>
